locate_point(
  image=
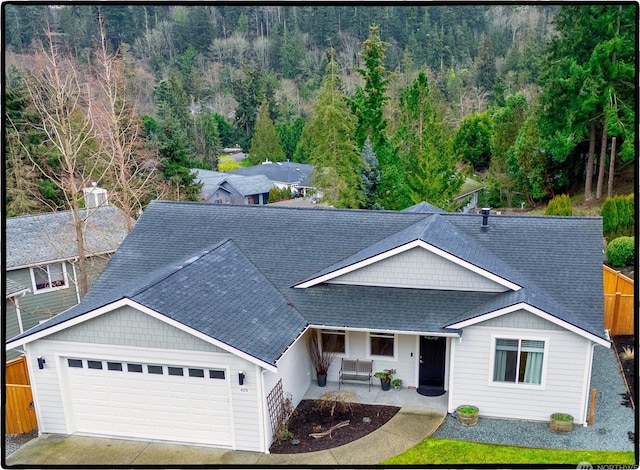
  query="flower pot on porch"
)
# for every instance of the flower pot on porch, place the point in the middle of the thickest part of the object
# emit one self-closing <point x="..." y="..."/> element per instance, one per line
<point x="385" y="384"/>
<point x="322" y="380"/>
<point x="467" y="415"/>
<point x="561" y="423"/>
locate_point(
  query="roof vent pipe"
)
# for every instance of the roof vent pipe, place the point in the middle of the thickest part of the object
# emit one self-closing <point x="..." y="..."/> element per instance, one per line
<point x="485" y="218"/>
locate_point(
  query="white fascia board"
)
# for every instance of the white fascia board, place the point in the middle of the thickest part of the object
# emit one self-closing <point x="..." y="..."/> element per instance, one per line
<point x="130" y="303"/>
<point x="306" y="328"/>
<point x="402" y="249"/>
<point x="536" y="311"/>
<point x="386" y="330"/>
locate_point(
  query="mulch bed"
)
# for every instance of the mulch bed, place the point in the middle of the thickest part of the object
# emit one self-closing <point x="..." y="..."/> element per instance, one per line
<point x="309" y="417"/>
<point x="620" y="343"/>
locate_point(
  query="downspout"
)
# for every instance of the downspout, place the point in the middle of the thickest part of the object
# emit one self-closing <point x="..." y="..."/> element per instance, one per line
<point x="263" y="428"/>
<point x="588" y="386"/>
<point x="18" y="314"/>
<point x="451" y="372"/>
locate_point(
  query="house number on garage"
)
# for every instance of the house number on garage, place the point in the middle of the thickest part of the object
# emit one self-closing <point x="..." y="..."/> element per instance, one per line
<point x="244" y="389"/>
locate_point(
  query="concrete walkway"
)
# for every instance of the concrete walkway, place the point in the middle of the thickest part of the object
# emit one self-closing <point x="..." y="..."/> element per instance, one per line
<point x="402" y="432"/>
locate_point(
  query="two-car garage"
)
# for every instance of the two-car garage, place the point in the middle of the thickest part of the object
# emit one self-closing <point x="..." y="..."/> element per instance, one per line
<point x="134" y="399"/>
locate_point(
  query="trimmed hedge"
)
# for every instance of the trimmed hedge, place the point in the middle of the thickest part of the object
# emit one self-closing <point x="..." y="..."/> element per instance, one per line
<point x="560" y="205"/>
<point x="618" y="216"/>
<point x="621" y="251"/>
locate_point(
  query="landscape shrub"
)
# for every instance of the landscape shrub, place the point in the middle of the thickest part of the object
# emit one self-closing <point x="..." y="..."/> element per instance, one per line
<point x="560" y="205"/>
<point x="276" y="194"/>
<point x="621" y="251"/>
<point x="618" y="216"/>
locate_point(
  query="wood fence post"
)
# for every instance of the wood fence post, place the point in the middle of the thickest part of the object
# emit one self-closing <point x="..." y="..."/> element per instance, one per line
<point x="592" y="407"/>
<point x="616" y="312"/>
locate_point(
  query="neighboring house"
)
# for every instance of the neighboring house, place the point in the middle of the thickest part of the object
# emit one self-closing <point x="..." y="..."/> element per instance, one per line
<point x="283" y="174"/>
<point x="205" y="308"/>
<point x="468" y="196"/>
<point x="225" y="188"/>
<point x="41" y="262"/>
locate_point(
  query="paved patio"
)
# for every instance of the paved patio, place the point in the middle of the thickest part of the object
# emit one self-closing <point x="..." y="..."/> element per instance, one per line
<point x="406" y="398"/>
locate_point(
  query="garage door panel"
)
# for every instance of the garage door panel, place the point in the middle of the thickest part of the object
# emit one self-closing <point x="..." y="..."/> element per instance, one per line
<point x="150" y="405"/>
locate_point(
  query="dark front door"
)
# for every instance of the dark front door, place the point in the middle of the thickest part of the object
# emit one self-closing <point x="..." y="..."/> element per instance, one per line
<point x="432" y="357"/>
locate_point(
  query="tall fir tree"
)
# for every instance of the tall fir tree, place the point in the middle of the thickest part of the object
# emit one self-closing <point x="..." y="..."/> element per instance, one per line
<point x="425" y="147"/>
<point x="334" y="153"/>
<point x="265" y="144"/>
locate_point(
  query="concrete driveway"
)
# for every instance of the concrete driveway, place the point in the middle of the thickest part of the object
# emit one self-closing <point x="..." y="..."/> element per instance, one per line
<point x="402" y="432"/>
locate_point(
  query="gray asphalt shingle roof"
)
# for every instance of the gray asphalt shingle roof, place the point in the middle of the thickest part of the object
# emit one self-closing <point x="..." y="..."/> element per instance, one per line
<point x="557" y="260"/>
<point x="42" y="238"/>
<point x="12" y="288"/>
<point x="243" y="185"/>
<point x="281" y="172"/>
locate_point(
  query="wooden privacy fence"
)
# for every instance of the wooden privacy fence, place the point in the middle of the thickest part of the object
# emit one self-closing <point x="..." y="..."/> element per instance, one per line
<point x="618" y="302"/>
<point x="20" y="415"/>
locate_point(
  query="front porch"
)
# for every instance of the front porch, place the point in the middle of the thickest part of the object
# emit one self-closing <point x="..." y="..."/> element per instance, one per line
<point x="406" y="398"/>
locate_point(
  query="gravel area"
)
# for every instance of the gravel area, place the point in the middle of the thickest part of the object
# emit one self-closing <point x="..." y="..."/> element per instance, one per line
<point x="612" y="425"/>
<point x="12" y="442"/>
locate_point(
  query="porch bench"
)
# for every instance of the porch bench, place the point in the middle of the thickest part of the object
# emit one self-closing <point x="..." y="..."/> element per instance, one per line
<point x="355" y="370"/>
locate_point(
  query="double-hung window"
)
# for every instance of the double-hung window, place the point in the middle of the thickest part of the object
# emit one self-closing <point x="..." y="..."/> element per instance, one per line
<point x="333" y="341"/>
<point x="49" y="277"/>
<point x="518" y="361"/>
<point x="382" y="344"/>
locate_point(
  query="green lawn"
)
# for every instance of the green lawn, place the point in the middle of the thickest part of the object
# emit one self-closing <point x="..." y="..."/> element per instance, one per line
<point x="436" y="451"/>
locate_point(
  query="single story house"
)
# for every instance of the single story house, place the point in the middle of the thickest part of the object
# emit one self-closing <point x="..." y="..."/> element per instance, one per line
<point x="41" y="262"/>
<point x="283" y="174"/>
<point x="205" y="309"/>
<point x="226" y="188"/>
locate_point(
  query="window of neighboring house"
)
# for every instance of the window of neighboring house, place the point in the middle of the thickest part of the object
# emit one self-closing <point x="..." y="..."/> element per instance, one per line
<point x="333" y="341"/>
<point x="49" y="277"/>
<point x="518" y="361"/>
<point x="382" y="344"/>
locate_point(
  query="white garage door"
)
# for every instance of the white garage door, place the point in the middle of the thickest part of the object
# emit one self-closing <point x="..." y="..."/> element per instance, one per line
<point x="150" y="401"/>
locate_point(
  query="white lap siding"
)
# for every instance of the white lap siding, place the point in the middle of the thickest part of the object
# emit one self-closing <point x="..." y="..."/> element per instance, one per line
<point x="565" y="370"/>
<point x="128" y="335"/>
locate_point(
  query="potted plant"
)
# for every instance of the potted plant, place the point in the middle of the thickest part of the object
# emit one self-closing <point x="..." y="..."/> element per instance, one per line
<point x="320" y="359"/>
<point x="385" y="377"/>
<point x="561" y="423"/>
<point x="467" y="415"/>
<point x="397" y="383"/>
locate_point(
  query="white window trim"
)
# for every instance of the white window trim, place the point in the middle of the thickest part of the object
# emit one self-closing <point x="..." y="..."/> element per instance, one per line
<point x="37" y="291"/>
<point x="519" y="385"/>
<point x="346" y="340"/>
<point x="378" y="357"/>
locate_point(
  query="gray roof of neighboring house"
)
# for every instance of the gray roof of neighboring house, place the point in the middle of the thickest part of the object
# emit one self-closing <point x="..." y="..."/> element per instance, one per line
<point x="13" y="288"/>
<point x="243" y="185"/>
<point x="557" y="260"/>
<point x="425" y="208"/>
<point x="42" y="238"/>
<point x="278" y="172"/>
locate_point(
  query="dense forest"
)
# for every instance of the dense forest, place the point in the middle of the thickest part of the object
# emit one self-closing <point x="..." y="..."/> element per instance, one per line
<point x="393" y="105"/>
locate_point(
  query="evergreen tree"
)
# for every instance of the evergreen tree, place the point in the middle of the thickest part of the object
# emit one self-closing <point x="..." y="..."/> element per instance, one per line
<point x="265" y="144"/>
<point x="425" y="147"/>
<point x="588" y="85"/>
<point x="506" y="125"/>
<point x="289" y="134"/>
<point x="337" y="162"/>
<point x="368" y="103"/>
<point x="370" y="176"/>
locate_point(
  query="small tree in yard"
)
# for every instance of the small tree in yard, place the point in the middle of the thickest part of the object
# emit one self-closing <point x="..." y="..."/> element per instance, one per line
<point x="560" y="205"/>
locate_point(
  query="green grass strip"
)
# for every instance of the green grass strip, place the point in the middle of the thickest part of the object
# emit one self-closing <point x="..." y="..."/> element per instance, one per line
<point x="437" y="451"/>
